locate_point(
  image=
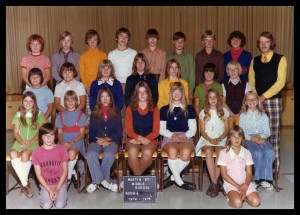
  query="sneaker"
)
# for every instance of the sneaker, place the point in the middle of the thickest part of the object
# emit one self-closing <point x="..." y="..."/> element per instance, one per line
<point x="122" y="185"/>
<point x="257" y="185"/>
<point x="267" y="186"/>
<point x="91" y="188"/>
<point x="112" y="187"/>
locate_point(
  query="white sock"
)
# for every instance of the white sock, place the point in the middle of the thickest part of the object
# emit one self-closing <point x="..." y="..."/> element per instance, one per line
<point x="71" y="165"/>
<point x="174" y="167"/>
<point x="22" y="169"/>
<point x="183" y="164"/>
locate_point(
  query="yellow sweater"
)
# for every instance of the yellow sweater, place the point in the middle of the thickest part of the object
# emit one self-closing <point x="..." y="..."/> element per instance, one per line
<point x="88" y="65"/>
<point x="164" y="91"/>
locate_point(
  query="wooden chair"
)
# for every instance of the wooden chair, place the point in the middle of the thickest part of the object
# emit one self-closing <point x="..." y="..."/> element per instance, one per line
<point x="77" y="173"/>
<point x="164" y="157"/>
<point x="100" y="157"/>
<point x="18" y="183"/>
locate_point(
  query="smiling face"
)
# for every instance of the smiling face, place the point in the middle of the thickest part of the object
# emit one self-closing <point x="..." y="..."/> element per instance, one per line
<point x="233" y="72"/>
<point x="208" y="42"/>
<point x="235" y="43"/>
<point x="179" y="44"/>
<point x="235" y="139"/>
<point x="143" y="96"/>
<point x="106" y="71"/>
<point x="264" y="44"/>
<point x="48" y="139"/>
<point x="123" y="39"/>
<point x="252" y="101"/>
<point x="213" y="99"/>
<point x="35" y="80"/>
<point x="70" y="103"/>
<point x="28" y="103"/>
<point x="68" y="75"/>
<point x="177" y="95"/>
<point x="140" y="65"/>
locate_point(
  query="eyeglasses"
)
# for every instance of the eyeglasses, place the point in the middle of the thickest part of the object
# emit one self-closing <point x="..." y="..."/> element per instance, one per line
<point x="104" y="97"/>
<point x="105" y="67"/>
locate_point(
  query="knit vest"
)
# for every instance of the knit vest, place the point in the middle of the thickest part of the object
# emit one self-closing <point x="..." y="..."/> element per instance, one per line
<point x="235" y="95"/>
<point x="142" y="124"/>
<point x="266" y="74"/>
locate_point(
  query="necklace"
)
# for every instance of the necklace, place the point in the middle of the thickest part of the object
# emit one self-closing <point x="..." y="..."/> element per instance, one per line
<point x="175" y="117"/>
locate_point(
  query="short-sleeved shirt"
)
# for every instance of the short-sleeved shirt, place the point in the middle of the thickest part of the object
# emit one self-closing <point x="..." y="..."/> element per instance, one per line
<point x="236" y="165"/>
<point x="26" y="132"/>
<point x="63" y="87"/>
<point x="51" y="162"/>
<point x="44" y="96"/>
<point x="35" y="61"/>
<point x="200" y="92"/>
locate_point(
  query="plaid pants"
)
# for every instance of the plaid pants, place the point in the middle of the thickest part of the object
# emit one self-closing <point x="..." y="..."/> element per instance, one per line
<point x="273" y="108"/>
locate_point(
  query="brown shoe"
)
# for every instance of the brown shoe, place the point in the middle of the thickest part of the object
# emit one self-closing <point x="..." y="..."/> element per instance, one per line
<point x="208" y="192"/>
<point x="220" y="188"/>
<point x="23" y="192"/>
<point x="214" y="190"/>
<point x="28" y="190"/>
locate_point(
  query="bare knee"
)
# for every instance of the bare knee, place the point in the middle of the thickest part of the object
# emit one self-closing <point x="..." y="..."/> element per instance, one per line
<point x="255" y="202"/>
<point x="13" y="154"/>
<point x="25" y="156"/>
<point x="236" y="203"/>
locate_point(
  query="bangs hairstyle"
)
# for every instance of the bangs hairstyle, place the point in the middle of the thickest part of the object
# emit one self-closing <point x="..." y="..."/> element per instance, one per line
<point x="135" y="96"/>
<point x="234" y="64"/>
<point x="123" y="30"/>
<point x="97" y="111"/>
<point x="210" y="67"/>
<point x="63" y="35"/>
<point x="152" y="33"/>
<point x="208" y="33"/>
<point x="68" y="67"/>
<point x="108" y="63"/>
<point x="142" y="57"/>
<point x="90" y="34"/>
<point x="47" y="128"/>
<point x="35" y="111"/>
<point x="35" y="71"/>
<point x="238" y="35"/>
<point x="235" y="130"/>
<point x="70" y="94"/>
<point x="35" y="37"/>
<point x="245" y="107"/>
<point x="269" y="36"/>
<point x="178" y="35"/>
<point x="168" y="66"/>
<point x="177" y="86"/>
<point x="220" y="111"/>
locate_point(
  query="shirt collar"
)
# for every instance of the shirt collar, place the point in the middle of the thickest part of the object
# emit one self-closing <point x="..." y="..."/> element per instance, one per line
<point x="234" y="82"/>
<point x="241" y="154"/>
<point x="110" y="81"/>
<point x="174" y="106"/>
<point x="269" y="56"/>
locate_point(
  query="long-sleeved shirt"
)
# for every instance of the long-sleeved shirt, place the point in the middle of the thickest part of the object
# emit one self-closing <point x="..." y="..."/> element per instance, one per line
<point x="281" y="76"/>
<point x="88" y="65"/>
<point x="254" y="122"/>
<point x="187" y="67"/>
<point x="157" y="61"/>
<point x="59" y="59"/>
<point x="164" y="91"/>
<point x="133" y="80"/>
<point x="202" y="58"/>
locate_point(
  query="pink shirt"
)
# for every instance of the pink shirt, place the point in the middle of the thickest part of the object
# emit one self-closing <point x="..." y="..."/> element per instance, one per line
<point x="39" y="61"/>
<point x="50" y="161"/>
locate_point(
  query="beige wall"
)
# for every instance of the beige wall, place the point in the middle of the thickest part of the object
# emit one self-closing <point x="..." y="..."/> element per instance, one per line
<point x="49" y="22"/>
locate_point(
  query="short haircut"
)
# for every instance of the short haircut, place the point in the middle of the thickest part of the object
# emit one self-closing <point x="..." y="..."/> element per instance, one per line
<point x="208" y="33"/>
<point x="123" y="30"/>
<point x="35" y="71"/>
<point x="238" y="35"/>
<point x="63" y="35"/>
<point x="152" y="33"/>
<point x="67" y="66"/>
<point x="210" y="67"/>
<point x="90" y="34"/>
<point x="70" y="94"/>
<point x="234" y="64"/>
<point x="178" y="35"/>
<point x="35" y="37"/>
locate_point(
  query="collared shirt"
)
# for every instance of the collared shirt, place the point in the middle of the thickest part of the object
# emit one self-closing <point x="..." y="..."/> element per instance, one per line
<point x="157" y="61"/>
<point x="187" y="67"/>
<point x="281" y="76"/>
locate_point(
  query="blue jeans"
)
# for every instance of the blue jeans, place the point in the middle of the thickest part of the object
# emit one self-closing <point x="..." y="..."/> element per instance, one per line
<point x="61" y="200"/>
<point x="263" y="156"/>
<point x="101" y="172"/>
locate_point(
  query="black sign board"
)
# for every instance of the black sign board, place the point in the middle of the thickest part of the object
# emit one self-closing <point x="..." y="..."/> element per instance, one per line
<point x="139" y="188"/>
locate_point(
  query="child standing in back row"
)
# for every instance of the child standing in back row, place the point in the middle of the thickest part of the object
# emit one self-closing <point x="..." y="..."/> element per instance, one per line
<point x="50" y="162"/>
<point x="236" y="168"/>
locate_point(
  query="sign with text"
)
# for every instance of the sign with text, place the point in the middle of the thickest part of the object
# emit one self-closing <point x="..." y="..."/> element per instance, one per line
<point x="139" y="188"/>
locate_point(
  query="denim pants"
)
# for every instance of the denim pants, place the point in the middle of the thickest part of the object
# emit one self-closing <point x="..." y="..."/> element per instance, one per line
<point x="101" y="172"/>
<point x="263" y="156"/>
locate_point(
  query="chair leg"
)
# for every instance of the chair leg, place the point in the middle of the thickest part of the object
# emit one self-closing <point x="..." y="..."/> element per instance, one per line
<point x="7" y="176"/>
<point x="86" y="172"/>
<point x="193" y="174"/>
<point x="78" y="177"/>
<point x="200" y="174"/>
<point x="118" y="179"/>
<point x="162" y="173"/>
